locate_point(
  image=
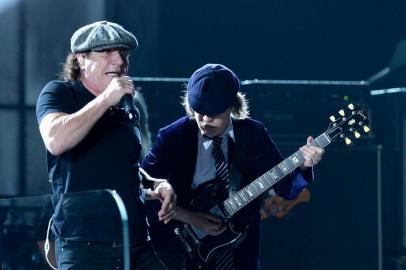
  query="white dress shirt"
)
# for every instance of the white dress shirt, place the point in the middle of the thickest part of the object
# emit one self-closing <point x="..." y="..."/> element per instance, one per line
<point x="205" y="169"/>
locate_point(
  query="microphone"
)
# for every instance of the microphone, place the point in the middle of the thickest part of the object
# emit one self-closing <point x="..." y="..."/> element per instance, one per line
<point x="129" y="108"/>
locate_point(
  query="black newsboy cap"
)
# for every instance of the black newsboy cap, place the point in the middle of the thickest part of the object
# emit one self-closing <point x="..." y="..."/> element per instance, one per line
<point x="100" y="36"/>
<point x="212" y="89"/>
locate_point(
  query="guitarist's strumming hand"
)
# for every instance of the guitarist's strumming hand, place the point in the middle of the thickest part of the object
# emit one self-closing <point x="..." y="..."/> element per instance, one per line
<point x="312" y="154"/>
<point x="162" y="190"/>
<point x="208" y="223"/>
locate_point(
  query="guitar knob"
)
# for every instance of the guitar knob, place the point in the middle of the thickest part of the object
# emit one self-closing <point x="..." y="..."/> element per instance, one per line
<point x="357" y="135"/>
<point x="366" y="129"/>
<point x="332" y="118"/>
<point x="341" y="112"/>
<point x="351" y="106"/>
<point x="347" y="141"/>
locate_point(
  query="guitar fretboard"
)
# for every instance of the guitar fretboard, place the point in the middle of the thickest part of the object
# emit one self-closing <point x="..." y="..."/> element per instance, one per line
<point x="240" y="199"/>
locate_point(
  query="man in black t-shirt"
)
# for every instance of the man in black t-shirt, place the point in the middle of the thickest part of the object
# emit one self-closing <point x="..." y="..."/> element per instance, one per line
<point x="94" y="143"/>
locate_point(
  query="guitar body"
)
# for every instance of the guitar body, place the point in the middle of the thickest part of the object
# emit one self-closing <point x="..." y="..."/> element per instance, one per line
<point x="200" y="246"/>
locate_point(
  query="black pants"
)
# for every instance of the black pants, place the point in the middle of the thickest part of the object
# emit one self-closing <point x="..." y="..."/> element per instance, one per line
<point x="75" y="255"/>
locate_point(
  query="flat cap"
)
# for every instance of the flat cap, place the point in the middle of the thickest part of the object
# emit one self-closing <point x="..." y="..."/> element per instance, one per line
<point x="100" y="36"/>
<point x="212" y="89"/>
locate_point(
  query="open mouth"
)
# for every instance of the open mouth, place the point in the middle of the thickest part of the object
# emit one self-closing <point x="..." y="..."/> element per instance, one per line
<point x="113" y="73"/>
<point x="207" y="127"/>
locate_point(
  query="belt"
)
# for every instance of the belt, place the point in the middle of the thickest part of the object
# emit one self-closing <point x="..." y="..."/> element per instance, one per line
<point x="114" y="244"/>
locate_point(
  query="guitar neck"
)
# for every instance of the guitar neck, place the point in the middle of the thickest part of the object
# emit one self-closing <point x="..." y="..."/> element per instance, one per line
<point x="240" y="199"/>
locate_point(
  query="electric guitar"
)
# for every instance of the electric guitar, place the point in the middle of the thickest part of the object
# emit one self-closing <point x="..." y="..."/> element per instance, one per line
<point x="200" y="246"/>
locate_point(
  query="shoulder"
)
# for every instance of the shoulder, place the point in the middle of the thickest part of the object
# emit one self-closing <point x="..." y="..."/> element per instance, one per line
<point x="252" y="130"/>
<point x="180" y="131"/>
<point x="56" y="85"/>
<point x="54" y="97"/>
<point x="248" y="124"/>
<point x="182" y="125"/>
<point x="56" y="88"/>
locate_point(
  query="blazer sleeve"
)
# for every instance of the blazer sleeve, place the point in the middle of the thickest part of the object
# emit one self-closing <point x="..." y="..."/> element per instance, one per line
<point x="158" y="161"/>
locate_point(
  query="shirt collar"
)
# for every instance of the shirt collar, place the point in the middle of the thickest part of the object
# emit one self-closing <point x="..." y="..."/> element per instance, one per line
<point x="228" y="132"/>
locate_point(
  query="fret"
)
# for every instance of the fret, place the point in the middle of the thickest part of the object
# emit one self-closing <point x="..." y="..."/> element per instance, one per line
<point x="233" y="206"/>
<point x="237" y="200"/>
<point x="297" y="158"/>
<point x="243" y="196"/>
<point x="271" y="178"/>
<point x="284" y="167"/>
<point x="274" y="175"/>
<point x="256" y="189"/>
<point x="260" y="184"/>
<point x="322" y="141"/>
<point x="228" y="207"/>
<point x="278" y="172"/>
<point x="250" y="192"/>
<point x="268" y="179"/>
<point x="247" y="195"/>
<point x="289" y="165"/>
<point x="316" y="142"/>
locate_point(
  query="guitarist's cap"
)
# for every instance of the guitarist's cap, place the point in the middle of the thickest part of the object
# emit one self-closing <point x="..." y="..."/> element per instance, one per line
<point x="212" y="89"/>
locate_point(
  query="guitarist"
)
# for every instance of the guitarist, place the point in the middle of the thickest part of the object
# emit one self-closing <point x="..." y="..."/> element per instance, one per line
<point x="182" y="154"/>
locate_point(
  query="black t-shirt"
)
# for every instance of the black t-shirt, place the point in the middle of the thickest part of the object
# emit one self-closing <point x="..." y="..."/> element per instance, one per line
<point x="107" y="158"/>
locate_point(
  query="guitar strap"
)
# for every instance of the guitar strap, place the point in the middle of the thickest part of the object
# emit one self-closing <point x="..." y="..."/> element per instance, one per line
<point x="236" y="156"/>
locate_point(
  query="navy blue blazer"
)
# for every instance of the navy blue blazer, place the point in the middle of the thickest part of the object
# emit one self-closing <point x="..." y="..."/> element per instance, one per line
<point x="173" y="157"/>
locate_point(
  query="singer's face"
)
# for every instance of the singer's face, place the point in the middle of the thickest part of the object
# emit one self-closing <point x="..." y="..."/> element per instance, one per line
<point x="213" y="125"/>
<point x="99" y="68"/>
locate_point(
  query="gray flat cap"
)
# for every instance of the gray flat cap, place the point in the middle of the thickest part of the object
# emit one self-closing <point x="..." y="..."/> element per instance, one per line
<point x="102" y="35"/>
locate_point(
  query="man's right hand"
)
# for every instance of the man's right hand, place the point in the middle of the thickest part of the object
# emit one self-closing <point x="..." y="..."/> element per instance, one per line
<point x="118" y="87"/>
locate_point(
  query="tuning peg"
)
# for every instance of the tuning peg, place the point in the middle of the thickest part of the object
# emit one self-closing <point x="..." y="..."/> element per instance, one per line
<point x="351" y="106"/>
<point x="366" y="129"/>
<point x="341" y="112"/>
<point x="356" y="134"/>
<point x="347" y="141"/>
<point x="351" y="122"/>
<point x="332" y="118"/>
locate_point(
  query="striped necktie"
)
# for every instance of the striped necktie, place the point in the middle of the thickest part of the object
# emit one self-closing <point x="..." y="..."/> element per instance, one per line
<point x="222" y="168"/>
<point x="223" y="260"/>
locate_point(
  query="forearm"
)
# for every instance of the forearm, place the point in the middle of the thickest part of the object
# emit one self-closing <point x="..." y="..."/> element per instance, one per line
<point x="61" y="131"/>
<point x="183" y="215"/>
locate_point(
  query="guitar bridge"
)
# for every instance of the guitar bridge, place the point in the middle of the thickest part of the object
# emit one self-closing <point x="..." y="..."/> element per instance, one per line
<point x="185" y="244"/>
<point x="192" y="234"/>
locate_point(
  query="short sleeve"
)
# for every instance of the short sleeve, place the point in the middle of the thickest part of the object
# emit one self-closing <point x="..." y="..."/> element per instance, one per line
<point x="53" y="98"/>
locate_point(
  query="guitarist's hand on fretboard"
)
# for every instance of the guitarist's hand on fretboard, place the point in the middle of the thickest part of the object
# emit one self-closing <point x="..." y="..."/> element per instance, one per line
<point x="312" y="154"/>
<point x="208" y="223"/>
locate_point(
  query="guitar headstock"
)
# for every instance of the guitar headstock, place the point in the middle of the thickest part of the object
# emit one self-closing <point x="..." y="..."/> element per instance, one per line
<point x="351" y="122"/>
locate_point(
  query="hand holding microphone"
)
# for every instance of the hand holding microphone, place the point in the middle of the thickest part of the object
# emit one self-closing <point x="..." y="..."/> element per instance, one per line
<point x="129" y="108"/>
<point x="114" y="92"/>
